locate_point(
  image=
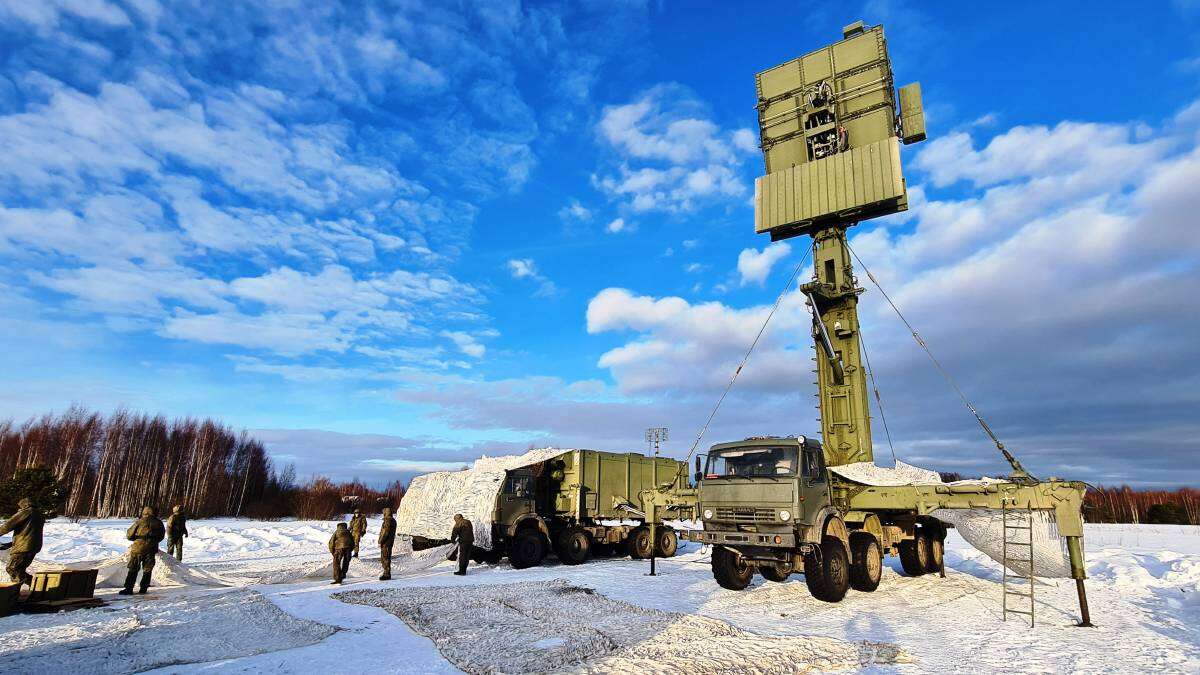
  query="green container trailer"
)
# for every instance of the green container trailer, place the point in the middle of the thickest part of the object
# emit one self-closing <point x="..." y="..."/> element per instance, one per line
<point x="577" y="504"/>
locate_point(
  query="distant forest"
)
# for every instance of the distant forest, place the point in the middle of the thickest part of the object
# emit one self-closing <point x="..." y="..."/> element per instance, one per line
<point x="113" y="466"/>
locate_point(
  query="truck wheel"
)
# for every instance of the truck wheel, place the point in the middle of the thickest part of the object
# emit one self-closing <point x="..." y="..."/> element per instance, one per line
<point x="934" y="553"/>
<point x="668" y="543"/>
<point x="866" y="562"/>
<point x="528" y="549"/>
<point x="730" y="569"/>
<point x="574" y="546"/>
<point x="779" y="572"/>
<point x="914" y="554"/>
<point x="828" y="573"/>
<point x="639" y="543"/>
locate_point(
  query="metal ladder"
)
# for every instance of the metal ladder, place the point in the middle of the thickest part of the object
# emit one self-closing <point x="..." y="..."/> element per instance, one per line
<point x="1018" y="548"/>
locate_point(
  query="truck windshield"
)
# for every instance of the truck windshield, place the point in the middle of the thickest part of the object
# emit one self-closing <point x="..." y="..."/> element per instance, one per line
<point x="753" y="461"/>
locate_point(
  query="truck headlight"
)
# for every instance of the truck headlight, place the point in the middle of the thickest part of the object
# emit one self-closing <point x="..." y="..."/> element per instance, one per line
<point x="785" y="515"/>
<point x="708" y="514"/>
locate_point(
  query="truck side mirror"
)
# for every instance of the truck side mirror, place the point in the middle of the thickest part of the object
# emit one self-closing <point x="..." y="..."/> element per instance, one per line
<point x="698" y="474"/>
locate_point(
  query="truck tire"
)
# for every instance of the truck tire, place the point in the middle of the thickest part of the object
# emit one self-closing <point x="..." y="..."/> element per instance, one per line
<point x="639" y="543"/>
<point x="914" y="554"/>
<point x="779" y="572"/>
<point x="934" y="553"/>
<point x="668" y="543"/>
<point x="574" y="546"/>
<point x="828" y="573"/>
<point x="730" y="569"/>
<point x="527" y="549"/>
<point x="866" y="562"/>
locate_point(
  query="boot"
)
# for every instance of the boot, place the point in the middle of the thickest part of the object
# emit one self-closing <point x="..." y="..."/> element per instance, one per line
<point x="129" y="579"/>
<point x="385" y="577"/>
<point x="145" y="582"/>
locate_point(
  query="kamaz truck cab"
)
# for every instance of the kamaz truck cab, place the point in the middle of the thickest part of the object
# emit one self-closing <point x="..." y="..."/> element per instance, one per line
<point x="766" y="506"/>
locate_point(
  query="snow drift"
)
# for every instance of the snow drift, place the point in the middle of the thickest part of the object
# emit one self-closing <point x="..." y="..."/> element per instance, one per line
<point x="139" y="635"/>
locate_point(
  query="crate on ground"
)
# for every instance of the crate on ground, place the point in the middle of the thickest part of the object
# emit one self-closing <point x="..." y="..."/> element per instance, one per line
<point x="53" y="585"/>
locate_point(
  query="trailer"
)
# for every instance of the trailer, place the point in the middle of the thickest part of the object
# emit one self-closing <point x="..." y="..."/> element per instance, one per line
<point x="574" y="503"/>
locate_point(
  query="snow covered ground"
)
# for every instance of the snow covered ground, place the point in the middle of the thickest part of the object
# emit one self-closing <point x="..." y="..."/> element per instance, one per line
<point x="273" y="612"/>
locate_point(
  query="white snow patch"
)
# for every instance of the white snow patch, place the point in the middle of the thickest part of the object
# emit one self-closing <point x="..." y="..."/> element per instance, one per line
<point x="554" y="626"/>
<point x="144" y="633"/>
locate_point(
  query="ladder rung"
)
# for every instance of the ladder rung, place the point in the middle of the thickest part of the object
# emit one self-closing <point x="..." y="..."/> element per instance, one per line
<point x="1023" y="595"/>
<point x="1017" y="611"/>
<point x="1018" y="527"/>
<point x="1025" y="544"/>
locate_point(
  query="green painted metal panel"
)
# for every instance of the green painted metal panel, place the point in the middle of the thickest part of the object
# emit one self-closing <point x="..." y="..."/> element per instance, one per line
<point x="593" y="479"/>
<point x="856" y="184"/>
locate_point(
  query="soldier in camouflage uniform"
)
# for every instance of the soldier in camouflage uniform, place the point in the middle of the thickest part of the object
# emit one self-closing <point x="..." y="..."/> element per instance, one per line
<point x="387" y="537"/>
<point x="358" y="528"/>
<point x="145" y="534"/>
<point x="341" y="547"/>
<point x="176" y="531"/>
<point x="464" y="534"/>
<point x="26" y="526"/>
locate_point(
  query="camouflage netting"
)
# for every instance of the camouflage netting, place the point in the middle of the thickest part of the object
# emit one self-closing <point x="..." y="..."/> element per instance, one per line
<point x="431" y="501"/>
<point x="982" y="528"/>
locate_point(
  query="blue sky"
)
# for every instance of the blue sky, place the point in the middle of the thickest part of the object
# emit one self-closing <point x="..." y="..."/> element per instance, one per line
<point x="389" y="237"/>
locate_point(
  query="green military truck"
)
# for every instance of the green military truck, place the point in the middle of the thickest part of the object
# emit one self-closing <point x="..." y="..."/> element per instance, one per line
<point x="830" y="126"/>
<point x="578" y="504"/>
<point x="771" y="505"/>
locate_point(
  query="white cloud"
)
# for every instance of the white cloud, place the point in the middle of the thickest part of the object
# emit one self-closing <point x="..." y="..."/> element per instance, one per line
<point x="526" y="268"/>
<point x="618" y="225"/>
<point x="673" y="157"/>
<point x="522" y="268"/>
<point x="755" y="266"/>
<point x="575" y="211"/>
<point x="466" y="343"/>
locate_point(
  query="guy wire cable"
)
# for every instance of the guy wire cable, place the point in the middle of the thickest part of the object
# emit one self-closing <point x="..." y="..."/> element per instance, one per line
<point x="878" y="399"/>
<point x="763" y="328"/>
<point x="1016" y="465"/>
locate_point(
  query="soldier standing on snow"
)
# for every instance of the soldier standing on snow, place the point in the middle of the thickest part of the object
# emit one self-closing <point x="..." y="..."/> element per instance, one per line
<point x="145" y="533"/>
<point x="358" y="527"/>
<point x="387" y="537"/>
<point x="26" y="526"/>
<point x="176" y="531"/>
<point x="341" y="546"/>
<point x="464" y="534"/>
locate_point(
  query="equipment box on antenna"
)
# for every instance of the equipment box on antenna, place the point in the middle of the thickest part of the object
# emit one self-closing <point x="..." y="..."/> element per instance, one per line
<point x="830" y="136"/>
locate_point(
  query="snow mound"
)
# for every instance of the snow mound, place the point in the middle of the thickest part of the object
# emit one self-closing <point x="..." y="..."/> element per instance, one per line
<point x="137" y="635"/>
<point x="111" y="571"/>
<point x="432" y="499"/>
<point x="553" y="626"/>
<point x="167" y="572"/>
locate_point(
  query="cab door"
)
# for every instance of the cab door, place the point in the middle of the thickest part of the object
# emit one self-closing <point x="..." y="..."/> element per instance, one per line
<point x="516" y="498"/>
<point x="814" y="479"/>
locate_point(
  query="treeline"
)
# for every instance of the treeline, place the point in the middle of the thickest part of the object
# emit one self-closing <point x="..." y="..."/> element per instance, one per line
<point x="1126" y="505"/>
<point x="113" y="466"/>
